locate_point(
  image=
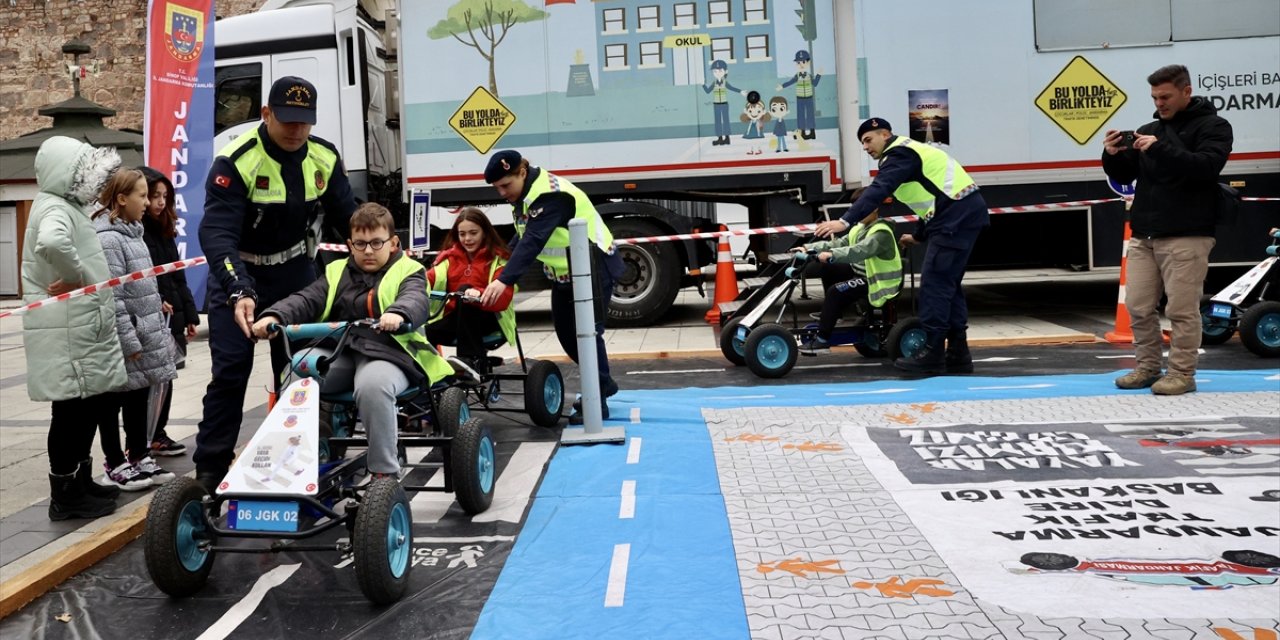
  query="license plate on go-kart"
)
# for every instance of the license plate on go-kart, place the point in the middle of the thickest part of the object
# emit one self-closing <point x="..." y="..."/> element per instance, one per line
<point x="262" y="515"/>
<point x="1221" y="311"/>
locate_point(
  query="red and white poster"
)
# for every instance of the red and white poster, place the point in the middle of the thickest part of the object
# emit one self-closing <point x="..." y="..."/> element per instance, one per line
<point x="178" y="116"/>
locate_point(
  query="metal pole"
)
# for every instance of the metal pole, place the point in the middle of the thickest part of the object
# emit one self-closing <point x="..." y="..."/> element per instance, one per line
<point x="585" y="327"/>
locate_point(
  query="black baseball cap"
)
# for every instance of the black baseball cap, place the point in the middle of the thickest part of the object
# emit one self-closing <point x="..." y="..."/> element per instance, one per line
<point x="293" y="99"/>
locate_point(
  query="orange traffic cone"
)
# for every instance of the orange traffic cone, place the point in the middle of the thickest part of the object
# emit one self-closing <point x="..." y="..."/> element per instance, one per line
<point x="726" y="279"/>
<point x="1123" y="333"/>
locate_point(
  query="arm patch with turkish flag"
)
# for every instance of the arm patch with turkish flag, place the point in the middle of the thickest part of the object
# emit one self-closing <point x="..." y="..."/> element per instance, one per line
<point x="222" y="181"/>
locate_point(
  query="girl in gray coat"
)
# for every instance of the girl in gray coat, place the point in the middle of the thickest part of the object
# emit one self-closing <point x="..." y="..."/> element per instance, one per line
<point x="146" y="342"/>
<point x="73" y="354"/>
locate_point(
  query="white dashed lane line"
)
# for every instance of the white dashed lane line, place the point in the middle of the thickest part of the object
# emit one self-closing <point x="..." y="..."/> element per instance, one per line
<point x="633" y="450"/>
<point x="627" y="508"/>
<point x="617" y="587"/>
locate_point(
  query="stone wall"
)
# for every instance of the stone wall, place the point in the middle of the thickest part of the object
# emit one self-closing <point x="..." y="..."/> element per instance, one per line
<point x="33" y="69"/>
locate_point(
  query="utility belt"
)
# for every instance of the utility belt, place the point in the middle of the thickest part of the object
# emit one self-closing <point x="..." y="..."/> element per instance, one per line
<point x="279" y="257"/>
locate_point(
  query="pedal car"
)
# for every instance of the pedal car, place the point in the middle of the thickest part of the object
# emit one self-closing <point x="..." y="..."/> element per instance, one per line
<point x="754" y="334"/>
<point x="540" y="380"/>
<point x="1250" y="305"/>
<point x="281" y="490"/>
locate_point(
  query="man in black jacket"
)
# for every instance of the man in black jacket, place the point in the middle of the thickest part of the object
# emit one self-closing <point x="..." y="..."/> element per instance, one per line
<point x="1176" y="161"/>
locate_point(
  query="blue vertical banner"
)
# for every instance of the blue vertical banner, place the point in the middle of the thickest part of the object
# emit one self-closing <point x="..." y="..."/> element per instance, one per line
<point x="178" y="115"/>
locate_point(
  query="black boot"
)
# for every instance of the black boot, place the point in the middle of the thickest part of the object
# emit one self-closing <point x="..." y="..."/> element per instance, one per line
<point x="930" y="360"/>
<point x="578" y="417"/>
<point x="84" y="475"/>
<point x="210" y="479"/>
<point x="958" y="359"/>
<point x="67" y="499"/>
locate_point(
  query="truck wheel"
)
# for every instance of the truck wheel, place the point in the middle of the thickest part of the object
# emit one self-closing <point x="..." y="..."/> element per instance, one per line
<point x="647" y="287"/>
<point x="383" y="541"/>
<point x="906" y="338"/>
<point x="1213" y="330"/>
<point x="452" y="410"/>
<point x="771" y="350"/>
<point x="1260" y="329"/>
<point x="544" y="394"/>
<point x="175" y="527"/>
<point x="472" y="463"/>
<point x="734" y="350"/>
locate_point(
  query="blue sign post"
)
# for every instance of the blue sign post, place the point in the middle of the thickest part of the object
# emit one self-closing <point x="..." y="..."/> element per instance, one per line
<point x="419" y="226"/>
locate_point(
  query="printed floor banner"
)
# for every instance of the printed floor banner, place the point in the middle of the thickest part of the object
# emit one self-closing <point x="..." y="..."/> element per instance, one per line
<point x="178" y="114"/>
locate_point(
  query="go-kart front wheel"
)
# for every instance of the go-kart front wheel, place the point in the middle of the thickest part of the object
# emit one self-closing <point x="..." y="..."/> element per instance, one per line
<point x="1213" y="330"/>
<point x="473" y="466"/>
<point x="174" y="531"/>
<point x="871" y="345"/>
<point x="906" y="338"/>
<point x="771" y="350"/>
<point x="1260" y="329"/>
<point x="383" y="539"/>
<point x="544" y="393"/>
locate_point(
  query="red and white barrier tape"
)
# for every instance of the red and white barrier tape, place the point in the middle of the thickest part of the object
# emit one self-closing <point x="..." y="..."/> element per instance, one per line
<point x="107" y="284"/>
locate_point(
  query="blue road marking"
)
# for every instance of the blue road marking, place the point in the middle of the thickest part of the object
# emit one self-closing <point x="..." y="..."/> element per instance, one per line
<point x="682" y="580"/>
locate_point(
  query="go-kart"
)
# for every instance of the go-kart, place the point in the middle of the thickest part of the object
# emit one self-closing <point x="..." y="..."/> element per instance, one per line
<point x="282" y="489"/>
<point x="540" y="380"/>
<point x="754" y="334"/>
<point x="1250" y="305"/>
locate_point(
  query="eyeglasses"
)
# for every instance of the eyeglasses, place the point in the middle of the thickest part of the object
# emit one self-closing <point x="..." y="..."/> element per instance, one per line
<point x="361" y="245"/>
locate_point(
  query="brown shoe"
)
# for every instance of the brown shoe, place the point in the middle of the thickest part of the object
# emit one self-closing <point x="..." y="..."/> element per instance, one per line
<point x="1138" y="379"/>
<point x="1174" y="384"/>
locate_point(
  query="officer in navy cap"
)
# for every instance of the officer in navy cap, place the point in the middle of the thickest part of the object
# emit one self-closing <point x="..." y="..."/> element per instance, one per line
<point x="719" y="89"/>
<point x="952" y="213"/>
<point x="543" y="204"/>
<point x="805" y="83"/>
<point x="268" y="195"/>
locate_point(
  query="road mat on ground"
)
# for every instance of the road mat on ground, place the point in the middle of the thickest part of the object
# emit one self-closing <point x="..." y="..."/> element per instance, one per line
<point x="965" y="507"/>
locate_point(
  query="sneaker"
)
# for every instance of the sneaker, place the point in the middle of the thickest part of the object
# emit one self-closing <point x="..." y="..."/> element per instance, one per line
<point x="127" y="477"/>
<point x="1174" y="384"/>
<point x="148" y="467"/>
<point x="166" y="446"/>
<point x="463" y="371"/>
<point x="1138" y="379"/>
<point x="815" y="345"/>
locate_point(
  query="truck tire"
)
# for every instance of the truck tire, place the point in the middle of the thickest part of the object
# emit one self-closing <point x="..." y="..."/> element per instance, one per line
<point x="1260" y="329"/>
<point x="645" y="290"/>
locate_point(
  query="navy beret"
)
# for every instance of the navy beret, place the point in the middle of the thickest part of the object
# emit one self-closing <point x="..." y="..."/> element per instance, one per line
<point x="872" y="125"/>
<point x="501" y="164"/>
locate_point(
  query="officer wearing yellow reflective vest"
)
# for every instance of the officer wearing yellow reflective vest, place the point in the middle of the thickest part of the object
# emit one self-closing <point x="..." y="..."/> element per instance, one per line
<point x="266" y="196"/>
<point x="952" y="214"/>
<point x="544" y="203"/>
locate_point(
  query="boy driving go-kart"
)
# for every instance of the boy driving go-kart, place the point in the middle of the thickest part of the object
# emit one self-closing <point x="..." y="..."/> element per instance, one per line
<point x="861" y="268"/>
<point x="377" y="281"/>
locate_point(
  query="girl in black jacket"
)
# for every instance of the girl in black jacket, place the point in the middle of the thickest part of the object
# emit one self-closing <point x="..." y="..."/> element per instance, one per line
<point x="159" y="230"/>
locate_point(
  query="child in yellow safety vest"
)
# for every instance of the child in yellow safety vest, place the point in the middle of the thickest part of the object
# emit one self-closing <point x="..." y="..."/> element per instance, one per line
<point x="377" y="281"/>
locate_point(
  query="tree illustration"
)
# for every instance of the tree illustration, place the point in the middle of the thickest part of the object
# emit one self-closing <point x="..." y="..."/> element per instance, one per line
<point x="491" y="19"/>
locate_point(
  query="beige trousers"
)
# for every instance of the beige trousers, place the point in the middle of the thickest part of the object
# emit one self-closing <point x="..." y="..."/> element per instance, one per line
<point x="1176" y="267"/>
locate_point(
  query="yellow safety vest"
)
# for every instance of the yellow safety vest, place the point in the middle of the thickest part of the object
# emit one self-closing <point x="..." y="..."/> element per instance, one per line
<point x="414" y="342"/>
<point x="506" y="317"/>
<point x="254" y="163"/>
<point x="555" y="254"/>
<point x="884" y="276"/>
<point x="946" y="175"/>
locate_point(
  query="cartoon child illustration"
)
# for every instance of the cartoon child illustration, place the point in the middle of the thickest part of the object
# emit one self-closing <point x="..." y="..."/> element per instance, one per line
<point x="805" y="84"/>
<point x="290" y="452"/>
<point x="755" y="116"/>
<point x="778" y="109"/>
<point x="719" y="89"/>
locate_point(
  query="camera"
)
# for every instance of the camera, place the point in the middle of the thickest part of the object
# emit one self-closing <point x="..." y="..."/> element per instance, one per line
<point x="1126" y="140"/>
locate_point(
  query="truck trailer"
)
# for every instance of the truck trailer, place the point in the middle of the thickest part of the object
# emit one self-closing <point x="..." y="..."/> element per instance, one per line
<point x="668" y="112"/>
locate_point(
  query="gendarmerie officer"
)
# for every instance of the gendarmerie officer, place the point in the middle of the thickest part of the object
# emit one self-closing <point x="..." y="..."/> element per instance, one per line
<point x="268" y="195"/>
<point x="544" y="203"/>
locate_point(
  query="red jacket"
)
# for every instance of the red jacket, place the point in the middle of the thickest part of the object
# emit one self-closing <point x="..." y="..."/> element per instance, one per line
<point x="469" y="272"/>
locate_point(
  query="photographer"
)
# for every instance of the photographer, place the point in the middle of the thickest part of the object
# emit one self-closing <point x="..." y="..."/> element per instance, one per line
<point x="1176" y="161"/>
